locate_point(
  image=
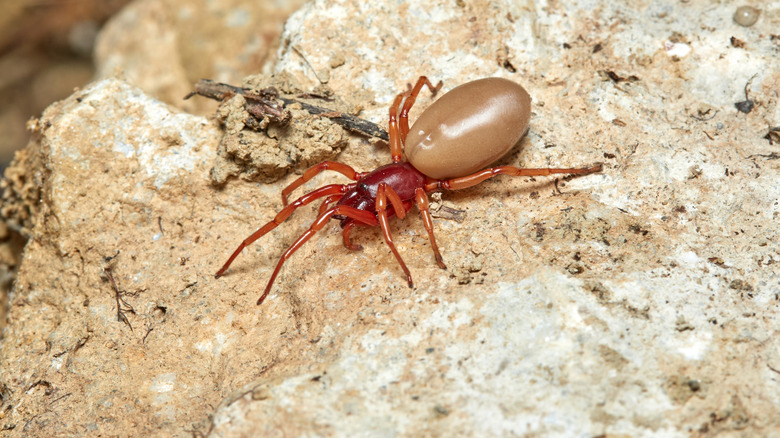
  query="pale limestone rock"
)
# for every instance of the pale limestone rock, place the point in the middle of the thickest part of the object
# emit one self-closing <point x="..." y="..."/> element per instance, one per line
<point x="642" y="301"/>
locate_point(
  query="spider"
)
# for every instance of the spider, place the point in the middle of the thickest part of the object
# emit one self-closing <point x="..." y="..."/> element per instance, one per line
<point x="465" y="130"/>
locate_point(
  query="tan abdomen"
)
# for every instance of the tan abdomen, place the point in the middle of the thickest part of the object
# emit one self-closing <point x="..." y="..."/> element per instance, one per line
<point x="468" y="128"/>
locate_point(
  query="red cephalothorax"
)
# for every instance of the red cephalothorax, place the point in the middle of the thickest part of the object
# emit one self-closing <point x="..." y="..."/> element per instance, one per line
<point x="466" y="129"/>
<point x="402" y="178"/>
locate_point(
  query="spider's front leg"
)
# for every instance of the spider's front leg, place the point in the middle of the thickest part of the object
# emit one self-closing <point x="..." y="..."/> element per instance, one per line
<point x="362" y="216"/>
<point x="311" y="172"/>
<point x="329" y="190"/>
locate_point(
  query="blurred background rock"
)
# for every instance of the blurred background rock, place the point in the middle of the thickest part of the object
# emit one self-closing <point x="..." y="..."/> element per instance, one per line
<point x="45" y="51"/>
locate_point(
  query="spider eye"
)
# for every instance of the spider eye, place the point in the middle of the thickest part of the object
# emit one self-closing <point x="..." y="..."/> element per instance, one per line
<point x="363" y="187"/>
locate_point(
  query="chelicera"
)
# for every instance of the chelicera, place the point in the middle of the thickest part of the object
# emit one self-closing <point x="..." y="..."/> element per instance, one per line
<point x="465" y="130"/>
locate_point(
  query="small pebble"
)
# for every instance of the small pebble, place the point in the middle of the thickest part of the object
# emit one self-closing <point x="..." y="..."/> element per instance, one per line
<point x="746" y="15"/>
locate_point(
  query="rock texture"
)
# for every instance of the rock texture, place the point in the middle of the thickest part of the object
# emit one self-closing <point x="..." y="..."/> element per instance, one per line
<point x="642" y="301"/>
<point x="256" y="149"/>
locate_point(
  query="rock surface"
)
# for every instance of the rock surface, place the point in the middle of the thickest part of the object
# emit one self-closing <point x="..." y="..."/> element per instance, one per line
<point x="642" y="301"/>
<point x="265" y="151"/>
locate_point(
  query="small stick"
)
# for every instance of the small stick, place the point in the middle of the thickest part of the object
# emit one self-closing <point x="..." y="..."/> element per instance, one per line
<point x="265" y="104"/>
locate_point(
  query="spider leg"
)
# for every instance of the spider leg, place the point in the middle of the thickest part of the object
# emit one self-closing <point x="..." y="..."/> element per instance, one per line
<point x="381" y="210"/>
<point x="411" y="96"/>
<point x="396" y="147"/>
<point x="283" y="215"/>
<point x="404" y="207"/>
<point x="311" y="172"/>
<point x="329" y="200"/>
<point x="398" y="205"/>
<point x="362" y="216"/>
<point x="345" y="234"/>
<point x="398" y="132"/>
<point x="347" y="226"/>
<point x="478" y="177"/>
<point x="422" y="204"/>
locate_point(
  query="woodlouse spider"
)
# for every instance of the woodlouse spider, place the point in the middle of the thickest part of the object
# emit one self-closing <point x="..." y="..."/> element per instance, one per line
<point x="465" y="130"/>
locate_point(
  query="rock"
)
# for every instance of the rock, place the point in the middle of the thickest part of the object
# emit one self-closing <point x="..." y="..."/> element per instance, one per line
<point x="117" y="175"/>
<point x="271" y="150"/>
<point x="639" y="301"/>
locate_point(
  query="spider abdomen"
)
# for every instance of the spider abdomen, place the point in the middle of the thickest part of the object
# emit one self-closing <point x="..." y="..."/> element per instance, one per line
<point x="468" y="128"/>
